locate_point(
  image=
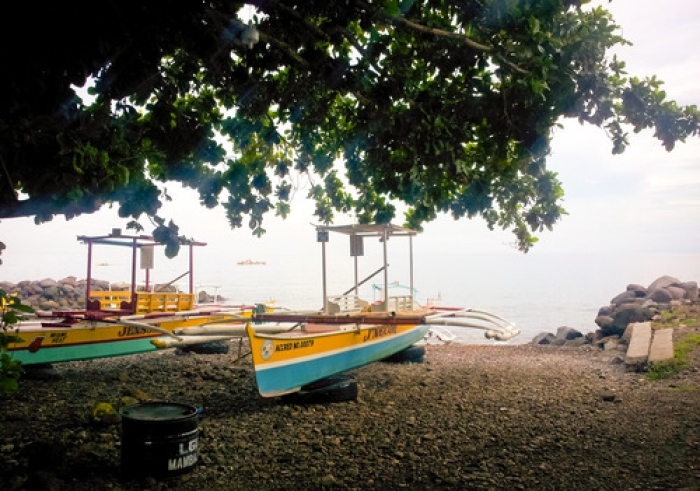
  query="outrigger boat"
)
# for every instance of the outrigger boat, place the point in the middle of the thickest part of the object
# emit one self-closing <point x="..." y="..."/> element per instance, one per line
<point x="116" y="323"/>
<point x="349" y="332"/>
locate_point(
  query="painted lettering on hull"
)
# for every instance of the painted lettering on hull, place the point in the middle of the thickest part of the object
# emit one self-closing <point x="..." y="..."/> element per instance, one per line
<point x="58" y="337"/>
<point x="306" y="343"/>
<point x="127" y="331"/>
<point x="379" y="332"/>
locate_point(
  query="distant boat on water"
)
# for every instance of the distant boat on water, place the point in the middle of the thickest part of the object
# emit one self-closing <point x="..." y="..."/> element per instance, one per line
<point x="250" y="262"/>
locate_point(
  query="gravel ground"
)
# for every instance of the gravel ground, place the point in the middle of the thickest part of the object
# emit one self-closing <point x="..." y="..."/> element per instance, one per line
<point x="468" y="417"/>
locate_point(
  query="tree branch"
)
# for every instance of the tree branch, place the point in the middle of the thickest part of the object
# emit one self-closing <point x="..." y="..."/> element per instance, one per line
<point x="439" y="32"/>
<point x="457" y="37"/>
<point x="400" y="21"/>
<point x="296" y="15"/>
<point x="7" y="175"/>
<point x="38" y="206"/>
<point x="285" y="48"/>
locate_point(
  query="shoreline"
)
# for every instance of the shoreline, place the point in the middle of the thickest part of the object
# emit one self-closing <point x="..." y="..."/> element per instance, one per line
<point x="469" y="417"/>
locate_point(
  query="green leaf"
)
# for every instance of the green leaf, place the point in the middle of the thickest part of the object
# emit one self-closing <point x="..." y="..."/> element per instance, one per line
<point x="8" y="384"/>
<point x="534" y="25"/>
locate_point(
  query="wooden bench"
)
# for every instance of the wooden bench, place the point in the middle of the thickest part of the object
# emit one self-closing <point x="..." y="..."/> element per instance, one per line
<point x="163" y="302"/>
<point x="400" y="303"/>
<point x="345" y="304"/>
<point x="110" y="299"/>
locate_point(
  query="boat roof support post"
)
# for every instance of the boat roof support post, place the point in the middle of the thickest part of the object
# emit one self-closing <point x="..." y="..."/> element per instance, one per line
<point x="357" y="290"/>
<point x="133" y="270"/>
<point x="410" y="259"/>
<point x="89" y="274"/>
<point x="385" y="238"/>
<point x="191" y="268"/>
<point x="323" y="272"/>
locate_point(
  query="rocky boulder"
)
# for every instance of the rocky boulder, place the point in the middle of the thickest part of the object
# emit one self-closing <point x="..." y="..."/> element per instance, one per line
<point x="639" y="290"/>
<point x="544" y="338"/>
<point x="664" y="282"/>
<point x="204" y="297"/>
<point x="568" y="333"/>
<point x="660" y="295"/>
<point x="640" y="304"/>
<point x="46" y="283"/>
<point x="691" y="289"/>
<point x="677" y="292"/>
<point x="624" y="316"/>
<point x="564" y="336"/>
<point x="624" y="297"/>
<point x="606" y="310"/>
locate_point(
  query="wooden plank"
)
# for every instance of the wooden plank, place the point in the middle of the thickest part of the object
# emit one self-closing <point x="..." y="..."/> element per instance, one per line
<point x="386" y="319"/>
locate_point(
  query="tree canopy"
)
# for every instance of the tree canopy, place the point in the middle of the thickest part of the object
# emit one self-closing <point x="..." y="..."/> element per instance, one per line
<point x="446" y="106"/>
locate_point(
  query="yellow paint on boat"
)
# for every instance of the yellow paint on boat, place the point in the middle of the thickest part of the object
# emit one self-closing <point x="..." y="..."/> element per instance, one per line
<point x="273" y="349"/>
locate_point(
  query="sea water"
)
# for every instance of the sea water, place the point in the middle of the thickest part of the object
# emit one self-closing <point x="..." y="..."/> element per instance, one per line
<point x="538" y="292"/>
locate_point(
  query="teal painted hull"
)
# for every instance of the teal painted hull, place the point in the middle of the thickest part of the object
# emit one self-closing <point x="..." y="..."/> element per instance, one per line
<point x="292" y="374"/>
<point x="59" y="354"/>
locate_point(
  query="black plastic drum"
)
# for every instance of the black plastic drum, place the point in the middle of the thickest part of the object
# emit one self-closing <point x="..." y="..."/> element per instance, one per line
<point x="159" y="439"/>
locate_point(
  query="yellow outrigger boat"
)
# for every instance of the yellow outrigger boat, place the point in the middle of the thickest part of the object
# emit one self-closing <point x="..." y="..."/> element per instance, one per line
<point x="116" y="323"/>
<point x="349" y="332"/>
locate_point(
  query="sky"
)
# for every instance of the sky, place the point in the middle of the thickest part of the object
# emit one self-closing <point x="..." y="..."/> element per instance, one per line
<point x="645" y="200"/>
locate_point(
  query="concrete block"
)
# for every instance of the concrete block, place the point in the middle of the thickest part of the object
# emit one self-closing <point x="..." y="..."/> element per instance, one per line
<point x="640" y="341"/>
<point x="661" y="345"/>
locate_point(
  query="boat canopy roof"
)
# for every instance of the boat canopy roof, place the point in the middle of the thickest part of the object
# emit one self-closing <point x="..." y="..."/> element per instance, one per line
<point x="368" y="229"/>
<point x="119" y="239"/>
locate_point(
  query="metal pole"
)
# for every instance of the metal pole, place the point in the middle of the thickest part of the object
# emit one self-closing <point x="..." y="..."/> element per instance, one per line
<point x="323" y="268"/>
<point x="89" y="274"/>
<point x="357" y="292"/>
<point x="133" y="273"/>
<point x="386" y="273"/>
<point x="410" y="256"/>
<point x="191" y="268"/>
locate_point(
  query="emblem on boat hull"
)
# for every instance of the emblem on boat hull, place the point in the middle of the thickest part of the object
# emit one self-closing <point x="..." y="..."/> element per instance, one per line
<point x="36" y="344"/>
<point x="267" y="349"/>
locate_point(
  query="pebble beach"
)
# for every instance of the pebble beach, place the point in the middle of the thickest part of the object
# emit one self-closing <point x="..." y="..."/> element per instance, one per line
<point x="468" y="417"/>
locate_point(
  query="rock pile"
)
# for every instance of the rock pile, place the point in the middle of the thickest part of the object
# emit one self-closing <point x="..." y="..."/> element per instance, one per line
<point x="65" y="294"/>
<point x="564" y="336"/>
<point x="49" y="294"/>
<point x="640" y="304"/>
<point x="636" y="304"/>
